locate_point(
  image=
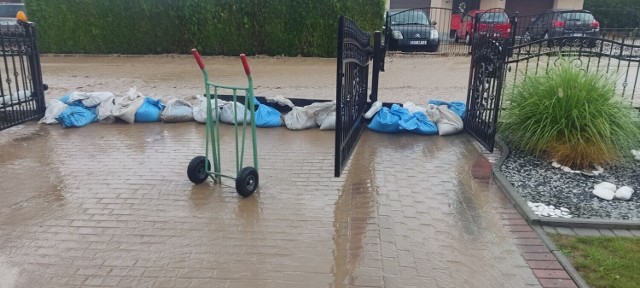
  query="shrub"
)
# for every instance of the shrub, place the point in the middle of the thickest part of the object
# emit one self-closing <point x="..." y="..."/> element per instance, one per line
<point x="218" y="27"/>
<point x="571" y="116"/>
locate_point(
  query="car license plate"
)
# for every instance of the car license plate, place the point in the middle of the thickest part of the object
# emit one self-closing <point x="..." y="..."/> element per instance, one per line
<point x="577" y="35"/>
<point x="418" y="42"/>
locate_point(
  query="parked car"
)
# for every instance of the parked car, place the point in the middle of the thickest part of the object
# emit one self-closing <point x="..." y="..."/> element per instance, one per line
<point x="492" y="22"/>
<point x="412" y="30"/>
<point x="557" y="23"/>
<point x="8" y="22"/>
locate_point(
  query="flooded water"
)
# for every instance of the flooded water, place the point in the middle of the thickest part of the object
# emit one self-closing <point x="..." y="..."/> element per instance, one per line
<point x="110" y="205"/>
<point x="407" y="78"/>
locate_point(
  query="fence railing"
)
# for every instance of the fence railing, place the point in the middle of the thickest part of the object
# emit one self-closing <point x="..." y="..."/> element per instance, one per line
<point x="21" y="87"/>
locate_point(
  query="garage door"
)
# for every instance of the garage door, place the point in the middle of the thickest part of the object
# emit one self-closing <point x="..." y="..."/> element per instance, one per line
<point x="528" y="7"/>
<point x="408" y="4"/>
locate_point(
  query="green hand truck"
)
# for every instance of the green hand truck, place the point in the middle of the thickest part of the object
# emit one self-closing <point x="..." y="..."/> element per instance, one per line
<point x="200" y="167"/>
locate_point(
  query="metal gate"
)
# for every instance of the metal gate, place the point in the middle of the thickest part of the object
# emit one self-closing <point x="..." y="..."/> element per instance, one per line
<point x="354" y="54"/>
<point x="488" y="62"/>
<point x="21" y="87"/>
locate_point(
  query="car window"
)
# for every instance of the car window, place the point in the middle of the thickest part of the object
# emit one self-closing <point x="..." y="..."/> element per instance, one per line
<point x="10" y="11"/>
<point x="410" y="17"/>
<point x="494" y="17"/>
<point x="576" y="16"/>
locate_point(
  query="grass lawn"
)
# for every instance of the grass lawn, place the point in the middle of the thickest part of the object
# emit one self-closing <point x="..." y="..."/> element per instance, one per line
<point x="603" y="261"/>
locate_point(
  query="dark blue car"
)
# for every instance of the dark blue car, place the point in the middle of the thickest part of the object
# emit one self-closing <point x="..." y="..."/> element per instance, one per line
<point x="412" y="30"/>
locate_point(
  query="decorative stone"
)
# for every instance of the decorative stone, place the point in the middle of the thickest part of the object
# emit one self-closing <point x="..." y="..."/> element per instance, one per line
<point x="606" y="185"/>
<point x="624" y="193"/>
<point x="603" y="193"/>
<point x="556" y="164"/>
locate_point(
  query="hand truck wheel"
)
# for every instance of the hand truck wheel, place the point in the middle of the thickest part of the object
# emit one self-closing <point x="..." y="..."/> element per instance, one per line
<point x="196" y="170"/>
<point x="247" y="181"/>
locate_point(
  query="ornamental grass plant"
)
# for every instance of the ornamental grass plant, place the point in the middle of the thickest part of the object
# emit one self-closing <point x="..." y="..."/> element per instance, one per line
<point x="571" y="116"/>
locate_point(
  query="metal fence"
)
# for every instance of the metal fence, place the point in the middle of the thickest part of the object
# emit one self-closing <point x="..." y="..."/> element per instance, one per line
<point x="542" y="42"/>
<point x="21" y="87"/>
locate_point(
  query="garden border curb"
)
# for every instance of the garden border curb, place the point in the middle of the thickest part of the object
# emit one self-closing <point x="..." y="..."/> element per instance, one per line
<point x="563" y="260"/>
<point x="533" y="219"/>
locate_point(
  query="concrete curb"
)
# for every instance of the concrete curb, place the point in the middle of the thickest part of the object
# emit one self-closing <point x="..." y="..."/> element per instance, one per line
<point x="533" y="219"/>
<point x="564" y="261"/>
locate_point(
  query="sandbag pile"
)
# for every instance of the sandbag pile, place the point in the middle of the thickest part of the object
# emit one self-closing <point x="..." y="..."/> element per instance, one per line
<point x="78" y="109"/>
<point x="438" y="117"/>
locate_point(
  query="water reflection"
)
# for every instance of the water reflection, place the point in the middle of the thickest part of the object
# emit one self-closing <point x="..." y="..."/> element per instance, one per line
<point x="353" y="209"/>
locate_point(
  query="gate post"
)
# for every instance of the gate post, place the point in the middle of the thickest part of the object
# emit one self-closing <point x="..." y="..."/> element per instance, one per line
<point x="378" y="62"/>
<point x="34" y="66"/>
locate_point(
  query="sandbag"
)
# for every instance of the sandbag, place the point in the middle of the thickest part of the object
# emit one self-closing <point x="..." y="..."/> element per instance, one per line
<point x="323" y="110"/>
<point x="76" y="116"/>
<point x="177" y="110"/>
<point x="149" y="111"/>
<point x="450" y="123"/>
<point x="299" y="119"/>
<point x="459" y="108"/>
<point x="413" y="108"/>
<point x="267" y="116"/>
<point x="76" y="96"/>
<point x="387" y="120"/>
<point x="105" y="110"/>
<point x="95" y="98"/>
<point x="127" y="106"/>
<point x="231" y="116"/>
<point x="329" y="122"/>
<point x="200" y="110"/>
<point x="54" y="108"/>
<point x="375" y="107"/>
<point x="279" y="99"/>
<point x="419" y="123"/>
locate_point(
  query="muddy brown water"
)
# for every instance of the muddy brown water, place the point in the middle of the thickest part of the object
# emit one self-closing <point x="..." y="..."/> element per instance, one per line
<point x="110" y="205"/>
<point x="407" y="78"/>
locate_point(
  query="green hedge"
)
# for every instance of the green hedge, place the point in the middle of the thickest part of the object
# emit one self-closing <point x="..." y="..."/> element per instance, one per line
<point x="615" y="13"/>
<point x="215" y="27"/>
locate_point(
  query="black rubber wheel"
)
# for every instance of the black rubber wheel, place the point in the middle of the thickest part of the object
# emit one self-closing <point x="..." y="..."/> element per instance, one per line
<point x="196" y="172"/>
<point x="247" y="181"/>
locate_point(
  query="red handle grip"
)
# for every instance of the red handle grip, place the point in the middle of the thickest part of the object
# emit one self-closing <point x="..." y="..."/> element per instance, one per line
<point x="195" y="53"/>
<point x="245" y="64"/>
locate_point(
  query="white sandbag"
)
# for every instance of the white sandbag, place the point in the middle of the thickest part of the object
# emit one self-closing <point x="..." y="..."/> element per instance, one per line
<point x="77" y="96"/>
<point x="432" y="113"/>
<point x="177" y="110"/>
<point x="322" y="110"/>
<point x="200" y="110"/>
<point x="95" y="98"/>
<point x="105" y="110"/>
<point x="127" y="106"/>
<point x="413" y="108"/>
<point x="54" y="108"/>
<point x="329" y="122"/>
<point x="299" y="119"/>
<point x="280" y="100"/>
<point x="375" y="107"/>
<point x="449" y="123"/>
<point x="231" y="116"/>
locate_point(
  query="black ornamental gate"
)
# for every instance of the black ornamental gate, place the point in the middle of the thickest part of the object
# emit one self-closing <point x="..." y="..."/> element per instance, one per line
<point x="352" y="98"/>
<point x="21" y="87"/>
<point x="488" y="57"/>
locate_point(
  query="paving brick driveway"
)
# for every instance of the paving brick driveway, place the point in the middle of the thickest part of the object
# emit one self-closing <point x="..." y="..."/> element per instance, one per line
<point x="110" y="205"/>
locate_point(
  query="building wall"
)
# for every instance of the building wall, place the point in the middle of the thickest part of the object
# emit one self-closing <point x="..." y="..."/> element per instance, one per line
<point x="408" y="4"/>
<point x="489" y="4"/>
<point x="568" y="4"/>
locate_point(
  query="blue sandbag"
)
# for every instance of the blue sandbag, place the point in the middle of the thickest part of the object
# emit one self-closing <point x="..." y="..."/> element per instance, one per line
<point x="267" y="116"/>
<point x="150" y="111"/>
<point x="459" y="108"/>
<point x="419" y="123"/>
<point x="76" y="116"/>
<point x="386" y="120"/>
